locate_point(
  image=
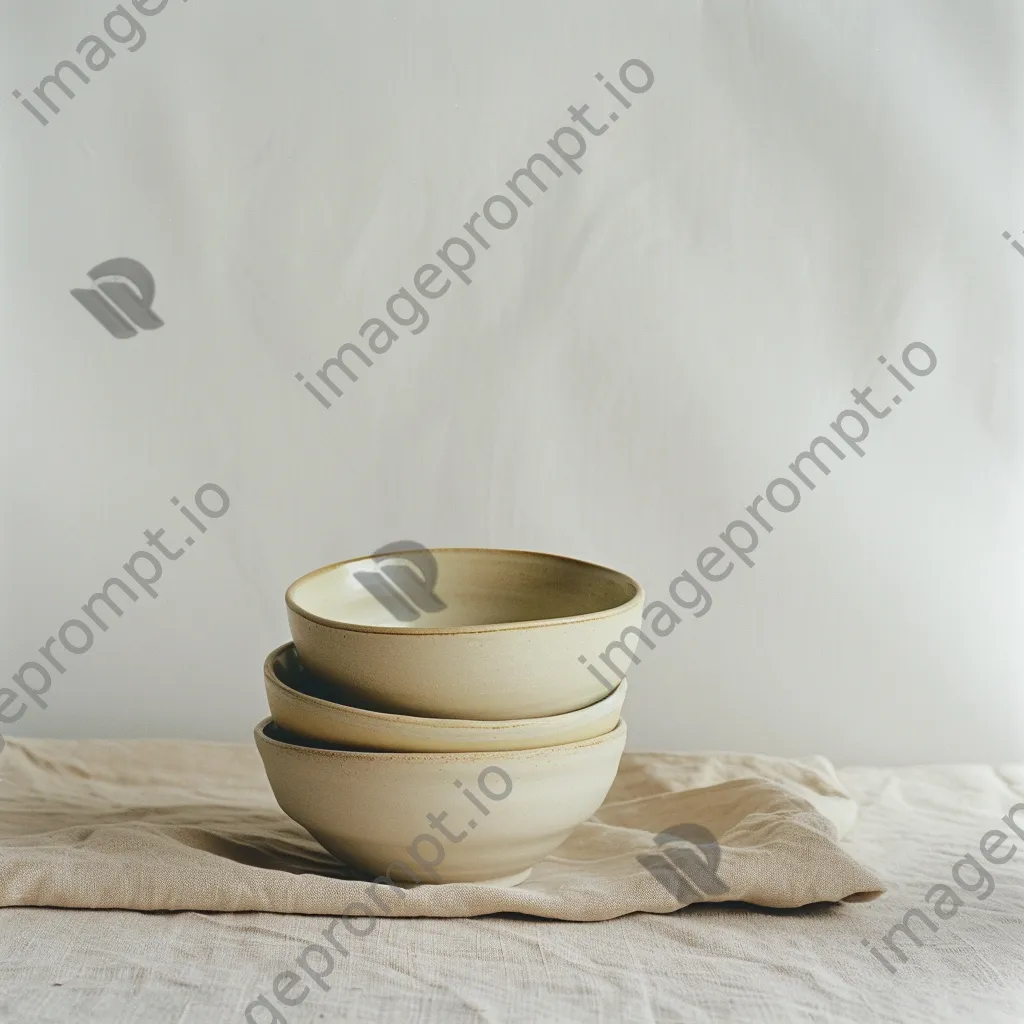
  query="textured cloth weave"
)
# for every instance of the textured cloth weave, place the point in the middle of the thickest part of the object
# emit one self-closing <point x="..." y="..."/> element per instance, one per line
<point x="707" y="964"/>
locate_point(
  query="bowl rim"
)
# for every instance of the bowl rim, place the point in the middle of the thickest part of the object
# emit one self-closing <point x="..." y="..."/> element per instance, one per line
<point x="419" y="721"/>
<point x="260" y="737"/>
<point x="358" y="627"/>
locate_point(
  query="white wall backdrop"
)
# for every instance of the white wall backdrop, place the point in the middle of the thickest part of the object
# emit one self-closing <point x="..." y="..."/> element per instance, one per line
<point x="806" y="186"/>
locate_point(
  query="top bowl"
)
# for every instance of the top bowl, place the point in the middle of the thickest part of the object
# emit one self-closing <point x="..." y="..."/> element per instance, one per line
<point x="487" y="634"/>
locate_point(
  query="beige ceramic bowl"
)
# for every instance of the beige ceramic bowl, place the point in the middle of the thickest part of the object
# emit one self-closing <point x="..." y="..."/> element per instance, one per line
<point x="300" y="703"/>
<point x="469" y="817"/>
<point x="507" y="643"/>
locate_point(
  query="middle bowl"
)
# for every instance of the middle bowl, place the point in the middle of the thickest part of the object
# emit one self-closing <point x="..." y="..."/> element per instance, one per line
<point x="302" y="704"/>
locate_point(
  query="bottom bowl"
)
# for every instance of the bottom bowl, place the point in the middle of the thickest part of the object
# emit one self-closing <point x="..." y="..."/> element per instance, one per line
<point x="484" y="816"/>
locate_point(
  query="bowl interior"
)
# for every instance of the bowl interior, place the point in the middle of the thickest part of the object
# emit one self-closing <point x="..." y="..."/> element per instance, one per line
<point x="471" y="587"/>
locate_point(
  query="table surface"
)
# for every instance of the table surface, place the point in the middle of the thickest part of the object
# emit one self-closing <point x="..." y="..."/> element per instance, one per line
<point x="707" y="963"/>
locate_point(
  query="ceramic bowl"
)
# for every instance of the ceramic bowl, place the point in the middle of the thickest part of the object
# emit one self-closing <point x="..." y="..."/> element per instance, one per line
<point x="485" y="816"/>
<point x="301" y="704"/>
<point x="488" y="634"/>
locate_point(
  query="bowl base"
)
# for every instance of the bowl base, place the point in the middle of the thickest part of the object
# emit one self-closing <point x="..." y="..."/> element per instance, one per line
<point x="507" y="880"/>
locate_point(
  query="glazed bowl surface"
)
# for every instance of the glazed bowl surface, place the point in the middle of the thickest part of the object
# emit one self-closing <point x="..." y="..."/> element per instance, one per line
<point x="305" y="706"/>
<point x="472" y="633"/>
<point x="485" y="816"/>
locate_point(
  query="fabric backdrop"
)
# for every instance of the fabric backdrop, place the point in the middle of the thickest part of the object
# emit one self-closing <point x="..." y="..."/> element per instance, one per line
<point x="766" y="200"/>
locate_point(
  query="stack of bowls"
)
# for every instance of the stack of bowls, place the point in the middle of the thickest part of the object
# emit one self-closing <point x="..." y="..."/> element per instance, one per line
<point x="463" y="746"/>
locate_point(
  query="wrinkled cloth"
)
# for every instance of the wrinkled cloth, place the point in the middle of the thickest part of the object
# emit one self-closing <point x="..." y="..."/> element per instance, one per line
<point x="707" y="963"/>
<point x="185" y="825"/>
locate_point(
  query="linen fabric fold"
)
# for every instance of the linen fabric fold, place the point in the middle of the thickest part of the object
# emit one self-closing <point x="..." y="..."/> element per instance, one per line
<point x="172" y="825"/>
